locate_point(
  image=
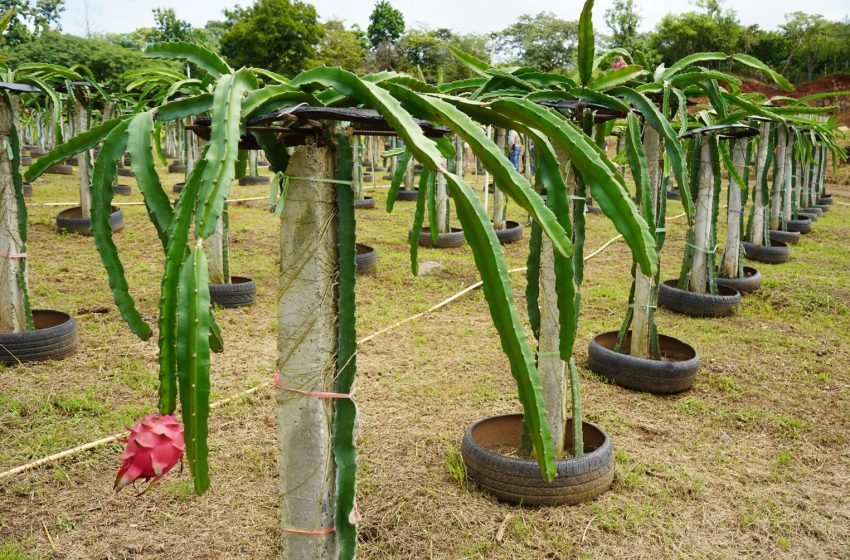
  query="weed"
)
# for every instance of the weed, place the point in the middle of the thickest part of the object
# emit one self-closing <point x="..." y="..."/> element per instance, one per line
<point x="455" y="466"/>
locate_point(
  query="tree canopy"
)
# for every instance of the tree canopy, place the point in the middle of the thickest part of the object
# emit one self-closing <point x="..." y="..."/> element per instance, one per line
<point x="386" y="24"/>
<point x="279" y="35"/>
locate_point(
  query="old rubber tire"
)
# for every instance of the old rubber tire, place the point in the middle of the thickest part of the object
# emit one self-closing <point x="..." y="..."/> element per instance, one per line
<point x="27" y="188"/>
<point x="60" y="169"/>
<point x="122" y="189"/>
<point x="517" y="480"/>
<point x="55" y="337"/>
<point x="812" y="210"/>
<point x="241" y="292"/>
<point x="777" y="253"/>
<point x="593" y="209"/>
<point x="824" y="208"/>
<point x="674" y="373"/>
<point x="177" y="168"/>
<point x="674" y="194"/>
<point x="73" y="161"/>
<point x="37" y="154"/>
<point x="249" y="180"/>
<point x="26" y="161"/>
<point x="511" y="233"/>
<point x="125" y="172"/>
<point x="802" y="225"/>
<point x="367" y="178"/>
<point x="70" y="221"/>
<point x="178" y="187"/>
<point x="696" y="304"/>
<point x="746" y="285"/>
<point x="365" y="259"/>
<point x="825" y="200"/>
<point x="365" y="203"/>
<point x="810" y="215"/>
<point x="787" y="237"/>
<point x="449" y="240"/>
<point x="406" y="196"/>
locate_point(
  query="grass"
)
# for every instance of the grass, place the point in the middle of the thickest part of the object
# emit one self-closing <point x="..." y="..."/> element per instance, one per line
<point x="753" y="462"/>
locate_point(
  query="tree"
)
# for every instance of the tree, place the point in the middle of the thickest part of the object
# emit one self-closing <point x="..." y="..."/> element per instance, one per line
<point x="339" y="47"/>
<point x="30" y="19"/>
<point x="623" y="19"/>
<point x="678" y="35"/>
<point x="279" y="35"/>
<point x="544" y="41"/>
<point x="428" y="51"/>
<point x="386" y="24"/>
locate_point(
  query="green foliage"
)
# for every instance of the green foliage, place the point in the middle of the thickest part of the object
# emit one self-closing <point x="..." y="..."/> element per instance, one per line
<point x="430" y="52"/>
<point x="30" y="19"/>
<point x="278" y="35"/>
<point x="386" y="24"/>
<point x="107" y="60"/>
<point x="543" y="41"/>
<point x="339" y="47"/>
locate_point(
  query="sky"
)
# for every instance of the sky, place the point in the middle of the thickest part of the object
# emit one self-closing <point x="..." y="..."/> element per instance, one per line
<point x="479" y="16"/>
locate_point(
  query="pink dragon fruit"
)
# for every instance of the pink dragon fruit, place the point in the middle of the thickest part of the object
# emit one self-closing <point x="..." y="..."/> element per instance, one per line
<point x="154" y="446"/>
<point x="619" y="63"/>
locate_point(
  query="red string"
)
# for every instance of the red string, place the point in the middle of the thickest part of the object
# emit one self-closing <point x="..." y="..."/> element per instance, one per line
<point x="13" y="255"/>
<point x="316" y="394"/>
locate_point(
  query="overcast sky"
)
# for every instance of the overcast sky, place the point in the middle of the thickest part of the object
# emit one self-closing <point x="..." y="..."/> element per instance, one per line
<point x="116" y="16"/>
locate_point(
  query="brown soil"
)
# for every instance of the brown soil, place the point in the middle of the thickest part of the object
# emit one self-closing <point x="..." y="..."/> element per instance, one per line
<point x="754" y="462"/>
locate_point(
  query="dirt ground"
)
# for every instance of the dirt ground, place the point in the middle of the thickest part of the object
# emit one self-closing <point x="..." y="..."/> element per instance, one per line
<point x="754" y="462"/>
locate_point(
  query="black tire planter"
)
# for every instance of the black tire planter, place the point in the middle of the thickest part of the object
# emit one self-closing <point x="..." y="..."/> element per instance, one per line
<point x="27" y="188"/>
<point x="746" y="285"/>
<point x="60" y="169"/>
<point x="367" y="178"/>
<point x="125" y="172"/>
<point x="824" y="208"/>
<point x="126" y="160"/>
<point x="366" y="203"/>
<point x="593" y="209"/>
<point x="37" y="153"/>
<point x="26" y="161"/>
<point x="122" y="189"/>
<point x="387" y="177"/>
<point x="249" y="180"/>
<point x="812" y="210"/>
<point x="511" y="233"/>
<point x="777" y="253"/>
<point x="787" y="237"/>
<point x="178" y="187"/>
<point x="674" y="195"/>
<point x="73" y="162"/>
<point x="802" y="225"/>
<point x="517" y="480"/>
<point x="449" y="240"/>
<point x="810" y="215"/>
<point x="70" y="221"/>
<point x="365" y="259"/>
<point x="406" y="196"/>
<point x="241" y="292"/>
<point x="177" y="168"/>
<point x="674" y="373"/>
<point x="825" y="200"/>
<point x="696" y="304"/>
<point x="55" y="337"/>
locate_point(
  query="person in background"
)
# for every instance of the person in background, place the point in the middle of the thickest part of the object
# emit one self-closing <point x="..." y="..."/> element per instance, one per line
<point x="514" y="148"/>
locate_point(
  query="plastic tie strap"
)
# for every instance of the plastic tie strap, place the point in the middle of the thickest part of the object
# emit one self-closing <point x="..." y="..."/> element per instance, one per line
<point x="305" y="533"/>
<point x="316" y="394"/>
<point x="576" y="197"/>
<point x="706" y="251"/>
<point x="320" y="180"/>
<point x="13" y="255"/>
